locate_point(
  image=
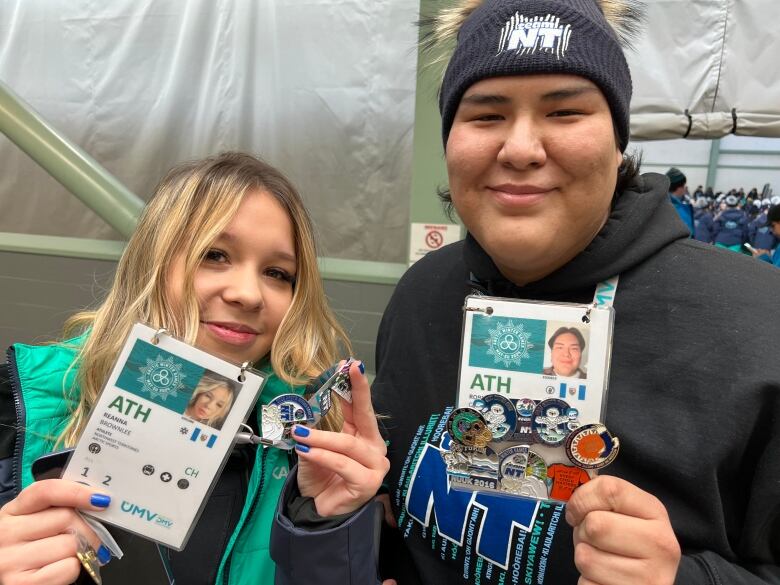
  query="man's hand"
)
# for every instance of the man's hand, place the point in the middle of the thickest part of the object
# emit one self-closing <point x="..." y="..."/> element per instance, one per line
<point x="621" y="535"/>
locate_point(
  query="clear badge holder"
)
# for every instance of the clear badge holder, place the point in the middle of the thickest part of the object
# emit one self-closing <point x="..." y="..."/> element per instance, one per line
<point x="161" y="432"/>
<point x="532" y="393"/>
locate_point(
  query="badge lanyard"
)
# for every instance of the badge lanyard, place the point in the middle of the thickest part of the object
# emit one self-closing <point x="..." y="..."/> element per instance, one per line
<point x="532" y="395"/>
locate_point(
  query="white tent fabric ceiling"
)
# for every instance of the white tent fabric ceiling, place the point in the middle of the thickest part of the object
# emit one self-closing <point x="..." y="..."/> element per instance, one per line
<point x="323" y="89"/>
<point x="717" y="60"/>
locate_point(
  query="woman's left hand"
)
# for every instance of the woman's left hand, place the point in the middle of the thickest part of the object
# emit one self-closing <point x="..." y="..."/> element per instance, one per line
<point x="342" y="471"/>
<point x="622" y="534"/>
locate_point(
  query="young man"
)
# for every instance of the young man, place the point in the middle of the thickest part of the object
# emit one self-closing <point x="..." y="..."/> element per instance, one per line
<point x="566" y="347"/>
<point x="677" y="182"/>
<point x="534" y="106"/>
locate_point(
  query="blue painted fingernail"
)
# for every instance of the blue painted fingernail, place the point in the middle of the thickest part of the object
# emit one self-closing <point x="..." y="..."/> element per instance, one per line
<point x="362" y="367"/>
<point x="301" y="447"/>
<point x="301" y="431"/>
<point x="100" y="500"/>
<point x="103" y="555"/>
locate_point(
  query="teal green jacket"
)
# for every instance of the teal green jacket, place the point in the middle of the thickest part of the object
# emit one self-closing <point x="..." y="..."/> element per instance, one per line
<point x="40" y="376"/>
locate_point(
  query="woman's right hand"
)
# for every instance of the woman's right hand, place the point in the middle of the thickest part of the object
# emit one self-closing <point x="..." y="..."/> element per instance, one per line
<point x="342" y="471"/>
<point x="40" y="533"/>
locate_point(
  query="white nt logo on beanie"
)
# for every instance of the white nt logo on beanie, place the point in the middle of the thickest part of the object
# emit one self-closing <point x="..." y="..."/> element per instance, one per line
<point x="526" y="35"/>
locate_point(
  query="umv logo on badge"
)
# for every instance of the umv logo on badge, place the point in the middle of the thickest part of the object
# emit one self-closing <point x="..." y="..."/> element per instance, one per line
<point x="161" y="377"/>
<point x="145" y="514"/>
<point x="527" y="35"/>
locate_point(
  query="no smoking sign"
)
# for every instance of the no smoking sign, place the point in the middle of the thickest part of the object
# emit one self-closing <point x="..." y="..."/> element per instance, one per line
<point x="426" y="238"/>
<point x="434" y="239"/>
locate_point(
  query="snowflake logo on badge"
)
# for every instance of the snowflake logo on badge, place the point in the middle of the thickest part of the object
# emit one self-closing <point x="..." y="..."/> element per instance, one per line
<point x="509" y="343"/>
<point x="161" y="378"/>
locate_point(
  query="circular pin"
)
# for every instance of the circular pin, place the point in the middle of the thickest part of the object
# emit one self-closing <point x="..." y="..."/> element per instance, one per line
<point x="468" y="427"/>
<point x="513" y="461"/>
<point x="550" y="420"/>
<point x="293" y="408"/>
<point x="592" y="446"/>
<point x="525" y="407"/>
<point x="515" y="475"/>
<point x="498" y="413"/>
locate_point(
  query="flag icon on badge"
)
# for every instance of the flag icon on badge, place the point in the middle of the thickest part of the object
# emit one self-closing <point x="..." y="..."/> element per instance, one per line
<point x="572" y="390"/>
<point x="210" y="440"/>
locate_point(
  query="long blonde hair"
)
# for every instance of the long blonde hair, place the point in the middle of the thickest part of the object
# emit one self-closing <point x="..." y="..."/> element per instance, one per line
<point x="191" y="206"/>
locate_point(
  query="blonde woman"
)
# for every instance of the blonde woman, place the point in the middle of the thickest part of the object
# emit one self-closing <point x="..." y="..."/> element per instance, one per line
<point x="210" y="402"/>
<point x="224" y="258"/>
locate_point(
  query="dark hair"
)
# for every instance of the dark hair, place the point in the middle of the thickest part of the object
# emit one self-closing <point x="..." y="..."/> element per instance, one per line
<point x="628" y="171"/>
<point x="573" y="330"/>
<point x="773" y="214"/>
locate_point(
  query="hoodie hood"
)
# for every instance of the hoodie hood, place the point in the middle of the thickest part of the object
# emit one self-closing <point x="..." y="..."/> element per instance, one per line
<point x="732" y="214"/>
<point x="642" y="221"/>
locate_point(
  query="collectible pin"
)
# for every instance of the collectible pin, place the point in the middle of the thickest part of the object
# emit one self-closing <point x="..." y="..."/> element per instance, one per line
<point x="472" y="467"/>
<point x="551" y="421"/>
<point x="88" y="558"/>
<point x="514" y="476"/>
<point x="524" y="407"/>
<point x="280" y="415"/>
<point x="293" y="409"/>
<point x="592" y="446"/>
<point x="513" y="461"/>
<point x="499" y="414"/>
<point x="272" y="425"/>
<point x="537" y="467"/>
<point x="324" y="402"/>
<point x="468" y="427"/>
<point x="565" y="479"/>
<point x="340" y="383"/>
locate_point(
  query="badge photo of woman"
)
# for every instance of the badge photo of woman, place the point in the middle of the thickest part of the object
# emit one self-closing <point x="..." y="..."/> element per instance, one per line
<point x="211" y="401"/>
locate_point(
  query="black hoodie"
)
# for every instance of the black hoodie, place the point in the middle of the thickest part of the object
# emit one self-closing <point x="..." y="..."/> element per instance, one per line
<point x="697" y="411"/>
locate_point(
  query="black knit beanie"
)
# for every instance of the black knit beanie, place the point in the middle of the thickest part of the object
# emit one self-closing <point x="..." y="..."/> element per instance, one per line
<point x="676" y="178"/>
<point x="517" y="37"/>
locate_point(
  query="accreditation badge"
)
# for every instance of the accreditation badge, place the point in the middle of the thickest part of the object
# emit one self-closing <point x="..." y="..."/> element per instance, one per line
<point x="160" y="434"/>
<point x="532" y="393"/>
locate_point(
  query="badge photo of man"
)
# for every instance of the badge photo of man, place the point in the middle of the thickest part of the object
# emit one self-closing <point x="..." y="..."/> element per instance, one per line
<point x="567" y="345"/>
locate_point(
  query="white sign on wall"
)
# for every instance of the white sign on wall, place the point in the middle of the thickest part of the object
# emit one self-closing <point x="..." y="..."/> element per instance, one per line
<point x="427" y="237"/>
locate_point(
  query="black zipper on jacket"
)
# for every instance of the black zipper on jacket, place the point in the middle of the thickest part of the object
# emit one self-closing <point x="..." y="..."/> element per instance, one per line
<point x="21" y="417"/>
<point x="226" y="572"/>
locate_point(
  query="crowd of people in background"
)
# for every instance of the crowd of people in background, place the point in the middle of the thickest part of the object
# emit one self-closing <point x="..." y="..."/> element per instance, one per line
<point x="748" y="223"/>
